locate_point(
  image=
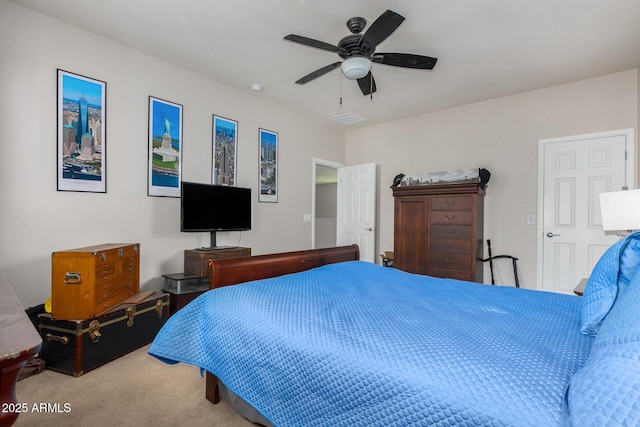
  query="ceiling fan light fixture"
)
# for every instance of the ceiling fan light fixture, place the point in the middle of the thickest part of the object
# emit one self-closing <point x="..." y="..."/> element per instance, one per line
<point x="356" y="67"/>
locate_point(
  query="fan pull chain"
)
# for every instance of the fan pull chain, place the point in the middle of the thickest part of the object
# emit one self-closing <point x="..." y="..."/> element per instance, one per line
<point x="341" y="89"/>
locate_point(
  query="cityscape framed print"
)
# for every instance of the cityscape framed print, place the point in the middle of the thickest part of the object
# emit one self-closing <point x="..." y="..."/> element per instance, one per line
<point x="268" y="141"/>
<point x="225" y="143"/>
<point x="81" y="137"/>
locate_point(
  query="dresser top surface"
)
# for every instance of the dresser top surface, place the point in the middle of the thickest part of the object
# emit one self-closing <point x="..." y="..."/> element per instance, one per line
<point x="439" y="189"/>
<point x="97" y="248"/>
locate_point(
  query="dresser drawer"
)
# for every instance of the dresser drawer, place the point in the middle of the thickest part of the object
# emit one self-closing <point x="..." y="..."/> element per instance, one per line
<point x="105" y="271"/>
<point x="130" y="265"/>
<point x="110" y="289"/>
<point x="459" y="246"/>
<point x="452" y="231"/>
<point x="449" y="274"/>
<point x="448" y="203"/>
<point x="105" y="304"/>
<point x="450" y="261"/>
<point x="452" y="217"/>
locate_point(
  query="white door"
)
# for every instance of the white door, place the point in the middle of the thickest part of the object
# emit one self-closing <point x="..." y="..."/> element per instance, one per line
<point x="575" y="170"/>
<point x="357" y="209"/>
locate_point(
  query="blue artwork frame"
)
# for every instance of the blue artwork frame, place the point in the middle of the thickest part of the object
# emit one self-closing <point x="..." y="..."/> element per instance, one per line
<point x="165" y="148"/>
<point x="81" y="133"/>
<point x="225" y="151"/>
<point x="268" y="185"/>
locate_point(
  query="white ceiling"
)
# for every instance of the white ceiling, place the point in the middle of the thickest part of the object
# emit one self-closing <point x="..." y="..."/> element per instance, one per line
<point x="485" y="48"/>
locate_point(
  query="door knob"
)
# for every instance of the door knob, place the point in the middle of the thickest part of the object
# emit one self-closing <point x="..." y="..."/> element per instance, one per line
<point x="368" y="229"/>
<point x="550" y="234"/>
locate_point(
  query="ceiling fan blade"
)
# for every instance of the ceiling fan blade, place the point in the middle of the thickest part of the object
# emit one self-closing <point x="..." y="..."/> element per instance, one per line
<point x="405" y="60"/>
<point x="317" y="73"/>
<point x="314" y="43"/>
<point x="380" y="30"/>
<point x="367" y="84"/>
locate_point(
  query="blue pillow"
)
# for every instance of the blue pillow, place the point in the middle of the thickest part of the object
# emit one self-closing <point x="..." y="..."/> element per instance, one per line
<point x="606" y="391"/>
<point x="613" y="272"/>
<point x="629" y="260"/>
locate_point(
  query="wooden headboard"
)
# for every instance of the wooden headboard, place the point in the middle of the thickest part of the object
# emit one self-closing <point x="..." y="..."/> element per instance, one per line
<point x="238" y="270"/>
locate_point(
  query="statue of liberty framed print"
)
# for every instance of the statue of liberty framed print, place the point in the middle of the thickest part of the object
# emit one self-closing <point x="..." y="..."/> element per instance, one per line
<point x="165" y="148"/>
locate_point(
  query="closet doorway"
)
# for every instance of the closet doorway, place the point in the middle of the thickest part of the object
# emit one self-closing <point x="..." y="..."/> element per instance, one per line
<point x="324" y="206"/>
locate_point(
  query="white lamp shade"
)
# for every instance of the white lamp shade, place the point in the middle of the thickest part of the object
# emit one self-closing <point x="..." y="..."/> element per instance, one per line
<point x="620" y="210"/>
<point x="356" y="67"/>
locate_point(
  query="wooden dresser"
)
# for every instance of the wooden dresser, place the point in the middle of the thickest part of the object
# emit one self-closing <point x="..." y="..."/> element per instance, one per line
<point x="438" y="230"/>
<point x="88" y="281"/>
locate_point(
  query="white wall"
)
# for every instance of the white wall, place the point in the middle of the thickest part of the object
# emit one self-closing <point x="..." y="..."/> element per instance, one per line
<point x="500" y="135"/>
<point x="36" y="219"/>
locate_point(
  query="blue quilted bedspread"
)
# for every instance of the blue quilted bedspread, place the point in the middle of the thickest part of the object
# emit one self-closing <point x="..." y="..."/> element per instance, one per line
<point x="355" y="344"/>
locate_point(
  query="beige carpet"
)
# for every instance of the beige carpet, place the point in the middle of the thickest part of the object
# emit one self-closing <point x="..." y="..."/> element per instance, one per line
<point x="134" y="390"/>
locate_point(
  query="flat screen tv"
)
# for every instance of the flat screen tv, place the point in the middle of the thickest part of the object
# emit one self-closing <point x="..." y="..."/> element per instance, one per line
<point x="213" y="208"/>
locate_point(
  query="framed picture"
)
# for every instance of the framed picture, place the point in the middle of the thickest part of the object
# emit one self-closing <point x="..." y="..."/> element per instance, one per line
<point x="268" y="166"/>
<point x="165" y="148"/>
<point x="225" y="143"/>
<point x="81" y="133"/>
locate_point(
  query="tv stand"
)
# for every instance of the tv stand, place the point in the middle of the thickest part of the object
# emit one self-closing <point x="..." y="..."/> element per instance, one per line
<point x="195" y="260"/>
<point x="215" y="248"/>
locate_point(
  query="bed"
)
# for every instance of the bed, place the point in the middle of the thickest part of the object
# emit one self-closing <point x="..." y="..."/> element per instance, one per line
<point x="334" y="341"/>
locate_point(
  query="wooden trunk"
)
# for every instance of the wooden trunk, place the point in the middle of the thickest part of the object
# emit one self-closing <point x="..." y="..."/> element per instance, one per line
<point x="75" y="347"/>
<point x="88" y="281"/>
<point x="195" y="260"/>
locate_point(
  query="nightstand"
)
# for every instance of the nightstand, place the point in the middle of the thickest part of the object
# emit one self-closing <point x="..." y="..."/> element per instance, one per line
<point x="183" y="288"/>
<point x="579" y="290"/>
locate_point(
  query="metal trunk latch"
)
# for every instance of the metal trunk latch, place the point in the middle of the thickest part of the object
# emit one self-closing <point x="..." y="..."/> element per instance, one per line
<point x="131" y="313"/>
<point x="159" y="308"/>
<point x="94" y="331"/>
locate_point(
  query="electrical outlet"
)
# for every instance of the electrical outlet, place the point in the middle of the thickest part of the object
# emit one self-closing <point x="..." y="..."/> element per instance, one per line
<point x="531" y="219"/>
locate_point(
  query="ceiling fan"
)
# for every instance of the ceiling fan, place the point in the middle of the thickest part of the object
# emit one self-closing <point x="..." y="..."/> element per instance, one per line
<point x="358" y="51"/>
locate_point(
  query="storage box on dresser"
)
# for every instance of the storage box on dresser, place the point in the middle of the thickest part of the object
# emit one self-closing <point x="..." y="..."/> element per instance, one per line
<point x="195" y="260"/>
<point x="438" y="230"/>
<point x="88" y="281"/>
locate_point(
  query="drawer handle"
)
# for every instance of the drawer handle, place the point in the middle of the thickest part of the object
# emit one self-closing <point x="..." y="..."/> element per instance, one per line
<point x="450" y="216"/>
<point x="451" y="202"/>
<point x="72" y="278"/>
<point x="450" y="260"/>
